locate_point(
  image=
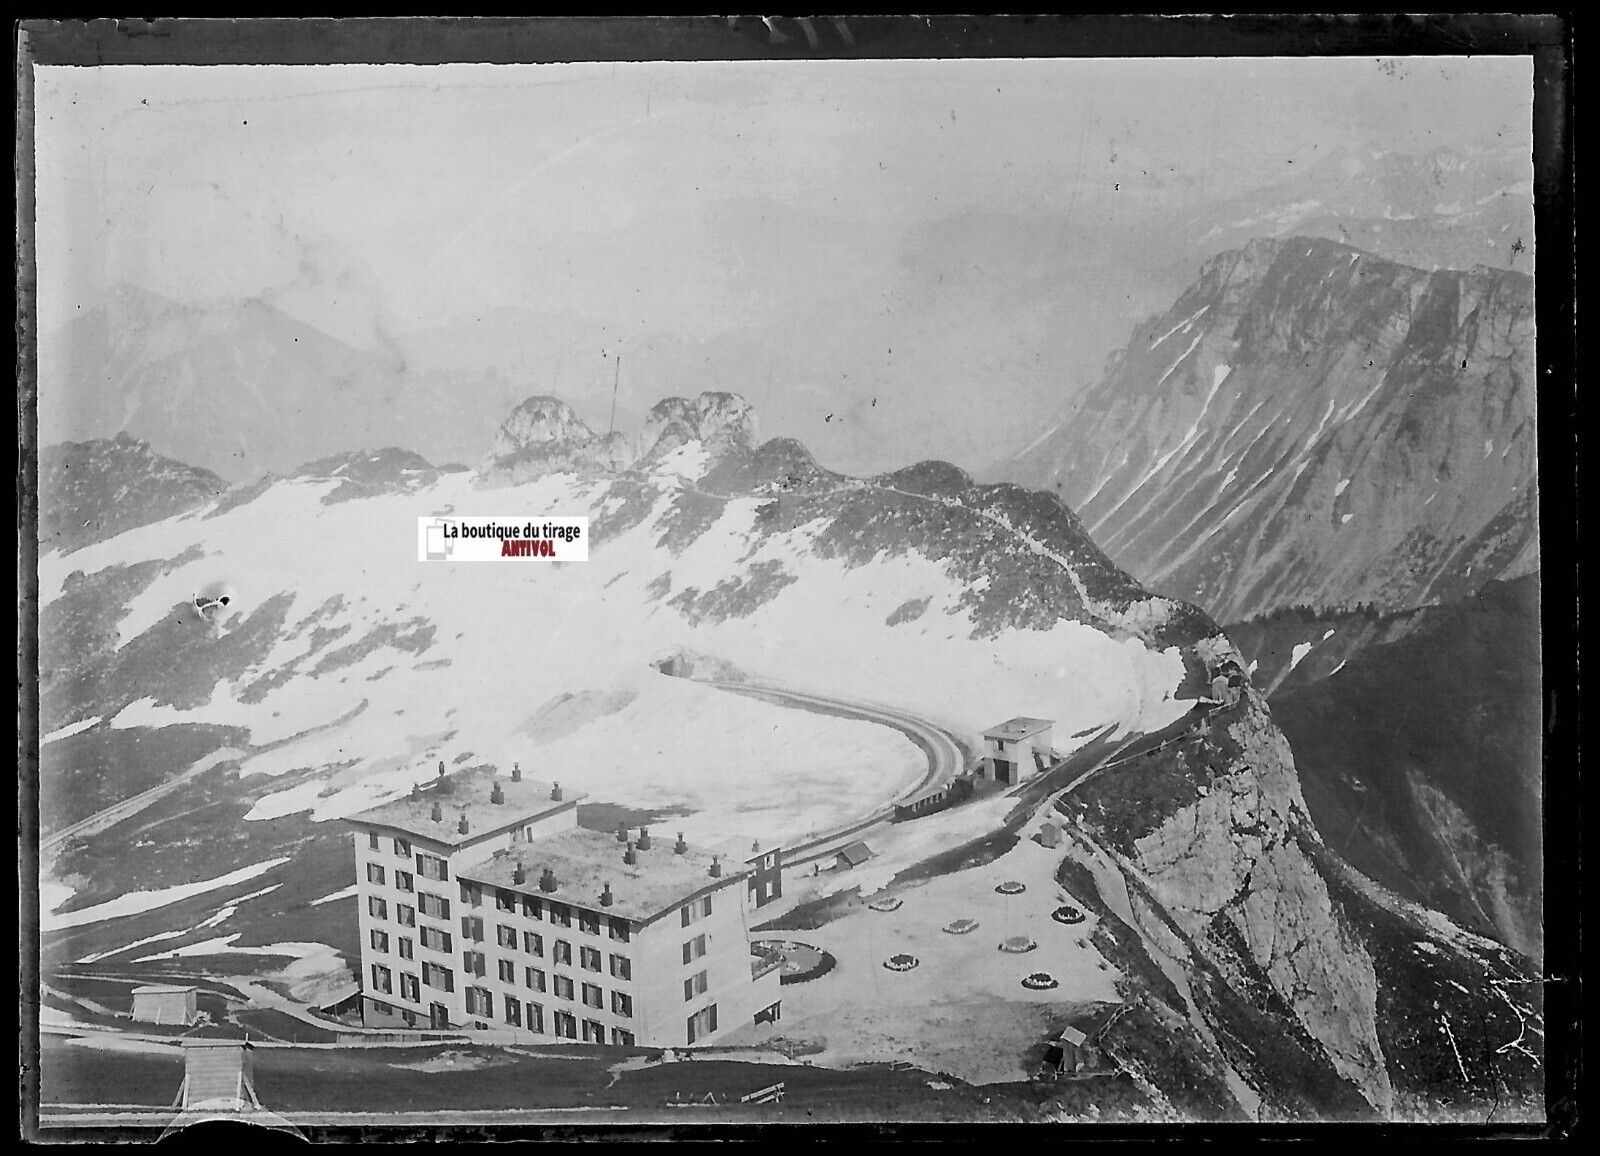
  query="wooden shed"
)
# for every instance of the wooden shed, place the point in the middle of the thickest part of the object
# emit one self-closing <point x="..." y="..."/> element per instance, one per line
<point x="218" y="1074"/>
<point x="163" y="1004"/>
<point x="854" y="855"/>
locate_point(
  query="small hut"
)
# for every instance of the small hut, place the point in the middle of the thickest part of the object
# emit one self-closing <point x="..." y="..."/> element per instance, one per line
<point x="1050" y="835"/>
<point x="218" y="1075"/>
<point x="165" y="1004"/>
<point x="854" y="855"/>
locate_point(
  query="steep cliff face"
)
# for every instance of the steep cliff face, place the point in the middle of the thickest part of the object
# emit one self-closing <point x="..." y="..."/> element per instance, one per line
<point x="1289" y="965"/>
<point x="1310" y="424"/>
<point x="97" y="489"/>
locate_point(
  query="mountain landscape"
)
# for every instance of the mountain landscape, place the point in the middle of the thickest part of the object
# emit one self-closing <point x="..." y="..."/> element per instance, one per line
<point x="1263" y="976"/>
<point x="1310" y="425"/>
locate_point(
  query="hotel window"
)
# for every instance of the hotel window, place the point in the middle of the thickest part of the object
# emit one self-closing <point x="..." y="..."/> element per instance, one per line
<point x="382" y="1008"/>
<point x="504" y="900"/>
<point x="513" y="1010"/>
<point x="505" y="936"/>
<point x="533" y="943"/>
<point x="380" y="940"/>
<point x="404" y="881"/>
<point x="621" y="1038"/>
<point x="374" y="873"/>
<point x="432" y="867"/>
<point x="474" y="962"/>
<point x="380" y="979"/>
<point x="694" y="985"/>
<point x="402" y="848"/>
<point x="563" y="987"/>
<point x="409" y="988"/>
<point x="621" y="967"/>
<point x="532" y="908"/>
<point x="405" y="915"/>
<point x="694" y="949"/>
<point x="702" y="1023"/>
<point x="622" y="1004"/>
<point x="405" y="947"/>
<point x="377" y="908"/>
<point x="561" y="915"/>
<point x="589" y="958"/>
<point x="566" y="1025"/>
<point x="534" y="978"/>
<point x="435" y="940"/>
<point x="535" y="1018"/>
<point x="472" y="928"/>
<point x="508" y="971"/>
<point x="589" y="922"/>
<point x="563" y="952"/>
<point x="372" y="840"/>
<point x="619" y="929"/>
<point x="593" y="1033"/>
<point x="441" y="977"/>
<point x="593" y="996"/>
<point x="479" y="1002"/>
<point x="472" y="893"/>
<point x="697" y="910"/>
<point x="433" y="906"/>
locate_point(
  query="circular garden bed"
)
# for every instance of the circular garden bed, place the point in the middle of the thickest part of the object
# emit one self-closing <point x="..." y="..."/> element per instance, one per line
<point x="1011" y="887"/>
<point x="1067" y="913"/>
<point x="961" y="926"/>
<point x="800" y="962"/>
<point x="1039" y="981"/>
<point x="901" y="962"/>
<point x="1018" y="944"/>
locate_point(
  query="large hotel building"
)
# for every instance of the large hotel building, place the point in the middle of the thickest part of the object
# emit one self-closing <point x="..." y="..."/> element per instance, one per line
<point x="484" y="904"/>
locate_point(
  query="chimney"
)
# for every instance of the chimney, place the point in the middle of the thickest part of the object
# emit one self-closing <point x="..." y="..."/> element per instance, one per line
<point x="555" y="792"/>
<point x="755" y="844"/>
<point x="462" y="826"/>
<point x="519" y="875"/>
<point x="416" y="792"/>
<point x="644" y="838"/>
<point x="441" y="768"/>
<point x="547" y="881"/>
<point x="680" y="847"/>
<point x="622" y="833"/>
<point x="496" y="795"/>
<point x="438" y="813"/>
<point x="716" y="868"/>
<point x="630" y="856"/>
<point x="606" y="897"/>
<point x="516" y="772"/>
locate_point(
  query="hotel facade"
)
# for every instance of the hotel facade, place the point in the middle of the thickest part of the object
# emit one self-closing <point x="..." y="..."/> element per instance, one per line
<point x="483" y="904"/>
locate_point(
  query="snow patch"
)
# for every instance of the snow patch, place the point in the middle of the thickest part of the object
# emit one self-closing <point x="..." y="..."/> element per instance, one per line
<point x="1300" y="651"/>
<point x="1344" y="484"/>
<point x="68" y="731"/>
<point x="135" y="902"/>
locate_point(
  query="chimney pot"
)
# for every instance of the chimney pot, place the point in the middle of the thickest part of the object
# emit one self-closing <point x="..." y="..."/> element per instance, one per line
<point x="622" y="833"/>
<point x="547" y="881"/>
<point x="438" y="812"/>
<point x="462" y="826"/>
<point x="519" y="875"/>
<point x="755" y="844"/>
<point x="441" y="768"/>
<point x="716" y="867"/>
<point x="630" y="856"/>
<point x="606" y="897"/>
<point x="555" y="792"/>
<point x="496" y="795"/>
<point x="416" y="792"/>
<point x="680" y="847"/>
<point x="516" y="772"/>
<point x="644" y="838"/>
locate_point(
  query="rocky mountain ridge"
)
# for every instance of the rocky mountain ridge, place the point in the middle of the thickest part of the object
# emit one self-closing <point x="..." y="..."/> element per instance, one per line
<point x="1309" y="424"/>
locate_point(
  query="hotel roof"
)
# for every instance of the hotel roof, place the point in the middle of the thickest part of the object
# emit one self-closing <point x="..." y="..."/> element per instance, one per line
<point x="1019" y="728"/>
<point x="584" y="861"/>
<point x="468" y="793"/>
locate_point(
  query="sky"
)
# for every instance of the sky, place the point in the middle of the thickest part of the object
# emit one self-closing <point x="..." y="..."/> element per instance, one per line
<point x="707" y="201"/>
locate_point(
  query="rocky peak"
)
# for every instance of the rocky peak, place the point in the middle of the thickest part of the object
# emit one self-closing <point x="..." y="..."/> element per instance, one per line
<point x="543" y="422"/>
<point x="719" y="421"/>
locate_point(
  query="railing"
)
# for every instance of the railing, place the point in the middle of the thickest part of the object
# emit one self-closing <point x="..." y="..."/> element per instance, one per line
<point x="764" y="965"/>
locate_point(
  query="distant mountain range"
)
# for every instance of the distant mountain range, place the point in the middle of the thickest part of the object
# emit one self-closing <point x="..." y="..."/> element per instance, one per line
<point x="1309" y="424"/>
